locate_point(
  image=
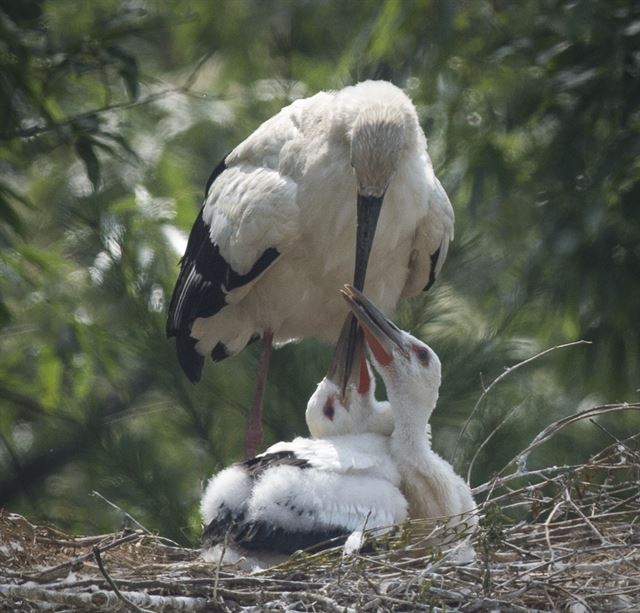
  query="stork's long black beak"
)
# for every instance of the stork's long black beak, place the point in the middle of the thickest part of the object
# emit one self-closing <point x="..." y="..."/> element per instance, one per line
<point x="383" y="336"/>
<point x="368" y="213"/>
<point x="348" y="352"/>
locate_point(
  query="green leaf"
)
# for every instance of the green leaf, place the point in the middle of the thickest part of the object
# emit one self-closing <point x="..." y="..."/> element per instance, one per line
<point x="120" y="140"/>
<point x="84" y="148"/>
<point x="9" y="213"/>
<point x="128" y="69"/>
<point x="5" y="314"/>
<point x="50" y="377"/>
<point x="9" y="216"/>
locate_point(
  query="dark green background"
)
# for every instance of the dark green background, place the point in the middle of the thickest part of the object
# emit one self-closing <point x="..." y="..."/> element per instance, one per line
<point x="113" y="114"/>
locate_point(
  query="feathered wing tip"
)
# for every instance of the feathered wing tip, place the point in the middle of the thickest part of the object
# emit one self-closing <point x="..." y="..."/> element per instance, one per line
<point x="190" y="360"/>
<point x="201" y="291"/>
<point x="435" y="258"/>
<point x="182" y="299"/>
<point x="261" y="536"/>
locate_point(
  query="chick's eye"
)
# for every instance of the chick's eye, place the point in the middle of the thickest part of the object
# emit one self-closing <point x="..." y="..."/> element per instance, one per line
<point x="423" y="355"/>
<point x="328" y="411"/>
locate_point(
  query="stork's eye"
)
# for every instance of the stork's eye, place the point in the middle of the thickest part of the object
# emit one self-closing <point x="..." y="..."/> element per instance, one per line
<point x="423" y="355"/>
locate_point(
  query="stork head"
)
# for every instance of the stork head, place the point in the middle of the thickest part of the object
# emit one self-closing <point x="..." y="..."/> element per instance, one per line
<point x="347" y="407"/>
<point x="410" y="368"/>
<point x="381" y="134"/>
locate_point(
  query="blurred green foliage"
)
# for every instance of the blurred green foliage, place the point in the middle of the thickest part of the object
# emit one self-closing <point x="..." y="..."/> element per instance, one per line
<point x="112" y="115"/>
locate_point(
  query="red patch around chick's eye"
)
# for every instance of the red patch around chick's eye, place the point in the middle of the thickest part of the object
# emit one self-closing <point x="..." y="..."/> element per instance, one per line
<point x="328" y="410"/>
<point x="364" y="380"/>
<point x="383" y="358"/>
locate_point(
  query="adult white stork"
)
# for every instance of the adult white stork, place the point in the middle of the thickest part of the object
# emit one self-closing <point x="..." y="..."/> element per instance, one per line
<point x="411" y="372"/>
<point x="274" y="240"/>
<point x="304" y="493"/>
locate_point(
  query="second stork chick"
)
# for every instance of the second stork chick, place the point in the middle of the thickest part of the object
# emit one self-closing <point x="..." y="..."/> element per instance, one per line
<point x="411" y="371"/>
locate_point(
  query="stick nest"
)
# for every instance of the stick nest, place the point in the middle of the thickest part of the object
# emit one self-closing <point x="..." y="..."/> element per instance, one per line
<point x="561" y="538"/>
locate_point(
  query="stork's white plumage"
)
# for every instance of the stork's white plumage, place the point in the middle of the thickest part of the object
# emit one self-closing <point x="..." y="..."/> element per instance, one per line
<point x="411" y="372"/>
<point x="275" y="238"/>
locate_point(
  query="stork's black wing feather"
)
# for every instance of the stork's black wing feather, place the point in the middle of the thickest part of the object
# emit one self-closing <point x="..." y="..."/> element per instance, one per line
<point x="261" y="536"/>
<point x="205" y="278"/>
<point x="432" y="271"/>
<point x="256" y="466"/>
<point x="200" y="291"/>
<point x="215" y="173"/>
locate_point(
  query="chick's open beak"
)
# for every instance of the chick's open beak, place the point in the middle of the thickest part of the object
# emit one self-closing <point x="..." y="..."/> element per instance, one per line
<point x="383" y="336"/>
<point x="348" y="354"/>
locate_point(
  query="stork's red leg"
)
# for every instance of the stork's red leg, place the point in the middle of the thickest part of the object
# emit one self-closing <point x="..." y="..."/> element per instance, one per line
<point x="253" y="436"/>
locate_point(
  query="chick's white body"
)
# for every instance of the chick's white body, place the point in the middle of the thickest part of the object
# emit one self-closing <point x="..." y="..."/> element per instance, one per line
<point x="411" y="371"/>
<point x="310" y="491"/>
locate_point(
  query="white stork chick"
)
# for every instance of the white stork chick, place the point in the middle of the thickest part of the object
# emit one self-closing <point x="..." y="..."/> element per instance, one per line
<point x="300" y="494"/>
<point x="275" y="237"/>
<point x="411" y="372"/>
<point x="330" y="412"/>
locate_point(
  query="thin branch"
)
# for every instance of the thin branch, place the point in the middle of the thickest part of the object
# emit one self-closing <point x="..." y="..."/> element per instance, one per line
<point x="116" y="106"/>
<point x="500" y="377"/>
<point x="223" y="550"/>
<point x="489" y="437"/>
<point x="193" y="75"/>
<point x="616" y="439"/>
<point x="128" y="604"/>
<point x="126" y="515"/>
<point x="521" y="459"/>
